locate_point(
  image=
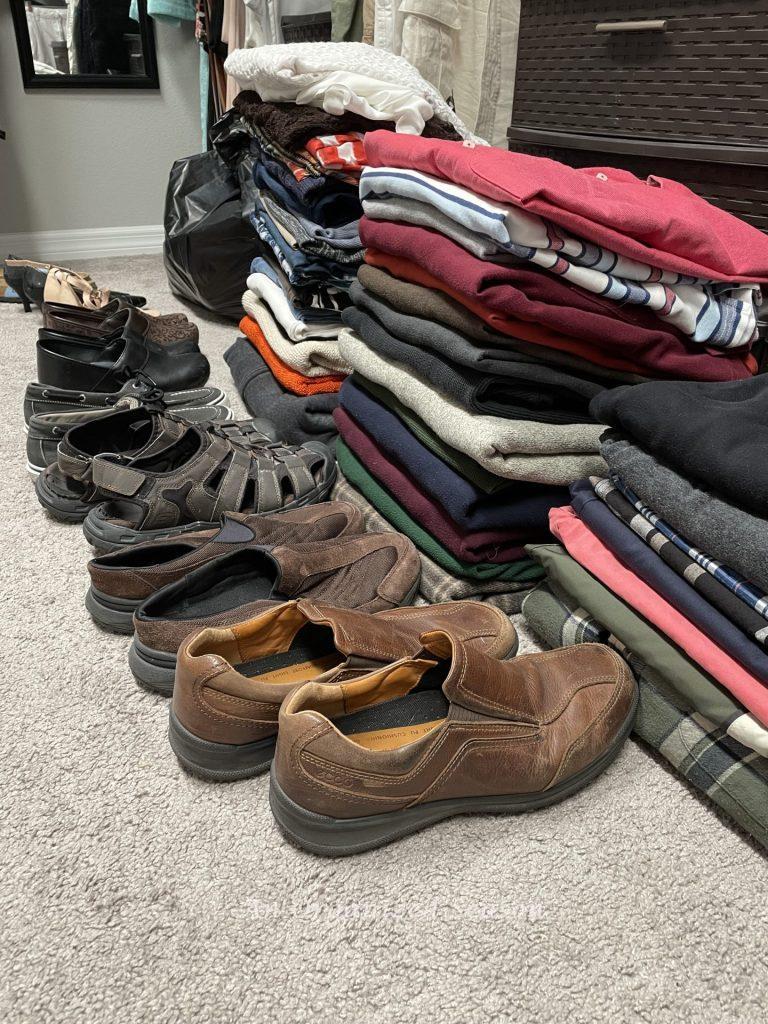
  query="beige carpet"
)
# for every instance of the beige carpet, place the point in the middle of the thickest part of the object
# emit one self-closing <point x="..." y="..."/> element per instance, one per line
<point x="131" y="892"/>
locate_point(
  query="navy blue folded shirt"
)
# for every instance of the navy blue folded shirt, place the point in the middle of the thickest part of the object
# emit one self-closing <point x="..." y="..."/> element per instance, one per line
<point x="520" y="506"/>
<point x="643" y="561"/>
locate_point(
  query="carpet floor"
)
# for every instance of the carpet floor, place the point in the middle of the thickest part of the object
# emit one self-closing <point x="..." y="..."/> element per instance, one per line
<point x="131" y="892"/>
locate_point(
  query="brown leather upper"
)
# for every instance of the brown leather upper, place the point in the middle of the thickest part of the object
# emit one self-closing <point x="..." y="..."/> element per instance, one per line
<point x="370" y="572"/>
<point x="146" y="568"/>
<point x="515" y="727"/>
<point x="217" y="703"/>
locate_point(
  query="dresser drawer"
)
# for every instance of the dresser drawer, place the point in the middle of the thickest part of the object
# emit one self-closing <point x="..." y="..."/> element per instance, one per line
<point x="702" y="79"/>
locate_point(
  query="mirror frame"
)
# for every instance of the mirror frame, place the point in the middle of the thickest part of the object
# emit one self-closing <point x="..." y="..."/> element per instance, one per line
<point x="149" y="80"/>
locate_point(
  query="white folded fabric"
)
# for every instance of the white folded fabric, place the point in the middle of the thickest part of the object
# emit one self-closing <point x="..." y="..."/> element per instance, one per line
<point x="312" y="70"/>
<point x="314" y="357"/>
<point x="272" y="295"/>
<point x="361" y="94"/>
<point x="547" y="453"/>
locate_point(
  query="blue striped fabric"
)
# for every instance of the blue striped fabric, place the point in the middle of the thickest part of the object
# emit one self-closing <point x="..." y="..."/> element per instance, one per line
<point x="713" y="313"/>
<point x="734" y="581"/>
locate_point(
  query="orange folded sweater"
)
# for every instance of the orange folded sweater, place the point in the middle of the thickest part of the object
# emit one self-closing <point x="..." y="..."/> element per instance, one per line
<point x="291" y="379"/>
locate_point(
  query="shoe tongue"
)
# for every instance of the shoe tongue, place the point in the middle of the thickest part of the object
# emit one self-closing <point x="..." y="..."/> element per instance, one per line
<point x="482" y="684"/>
<point x="358" y="634"/>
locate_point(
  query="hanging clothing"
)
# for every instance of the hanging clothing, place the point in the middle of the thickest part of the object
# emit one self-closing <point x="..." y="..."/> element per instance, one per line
<point x="46" y="26"/>
<point x="346" y="21"/>
<point x="465" y="48"/>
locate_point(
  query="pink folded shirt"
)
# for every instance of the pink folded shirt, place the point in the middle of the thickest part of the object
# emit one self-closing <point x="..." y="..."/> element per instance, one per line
<point x="657" y="221"/>
<point x="591" y="553"/>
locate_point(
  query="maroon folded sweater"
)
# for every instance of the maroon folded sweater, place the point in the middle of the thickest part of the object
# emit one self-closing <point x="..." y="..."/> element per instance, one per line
<point x="526" y="293"/>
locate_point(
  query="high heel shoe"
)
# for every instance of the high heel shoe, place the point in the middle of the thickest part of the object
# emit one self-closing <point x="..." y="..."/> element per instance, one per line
<point x="37" y="282"/>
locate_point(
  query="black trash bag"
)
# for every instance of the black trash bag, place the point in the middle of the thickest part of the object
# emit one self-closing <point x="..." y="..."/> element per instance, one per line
<point x="231" y="137"/>
<point x="208" y="247"/>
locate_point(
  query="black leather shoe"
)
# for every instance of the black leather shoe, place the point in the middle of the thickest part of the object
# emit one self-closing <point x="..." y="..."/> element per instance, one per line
<point x="63" y="361"/>
<point x="47" y="430"/>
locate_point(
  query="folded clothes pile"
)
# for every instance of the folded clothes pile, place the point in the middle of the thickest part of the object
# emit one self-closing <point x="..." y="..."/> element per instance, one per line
<point x="668" y="552"/>
<point x="501" y="298"/>
<point x="307" y="154"/>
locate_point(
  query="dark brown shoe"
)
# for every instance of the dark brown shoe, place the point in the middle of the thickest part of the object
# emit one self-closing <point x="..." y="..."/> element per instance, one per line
<point x="190" y="483"/>
<point x="449" y="732"/>
<point x="371" y="572"/>
<point x="121" y="581"/>
<point x="163" y="329"/>
<point x="230" y="682"/>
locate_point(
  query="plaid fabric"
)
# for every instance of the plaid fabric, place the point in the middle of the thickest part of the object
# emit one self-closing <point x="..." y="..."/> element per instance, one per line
<point x="719" y="596"/>
<point x="731" y="775"/>
<point x="436" y="584"/>
<point x="300" y="166"/>
<point x="713" y="313"/>
<point x="728" y="577"/>
<point x="343" y="155"/>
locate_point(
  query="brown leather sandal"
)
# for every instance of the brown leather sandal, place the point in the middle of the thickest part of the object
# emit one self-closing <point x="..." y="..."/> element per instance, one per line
<point x="176" y="488"/>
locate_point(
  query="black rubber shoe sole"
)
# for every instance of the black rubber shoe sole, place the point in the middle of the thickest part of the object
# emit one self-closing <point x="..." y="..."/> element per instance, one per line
<point x="114" y="614"/>
<point x="155" y="670"/>
<point x="107" y="536"/>
<point x="65" y="510"/>
<point x="341" y="837"/>
<point x="219" y="762"/>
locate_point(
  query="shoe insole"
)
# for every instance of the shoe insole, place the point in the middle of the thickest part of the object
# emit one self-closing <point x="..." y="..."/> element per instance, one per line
<point x="236" y="589"/>
<point x="173" y="457"/>
<point x="311" y="653"/>
<point x="393" y="723"/>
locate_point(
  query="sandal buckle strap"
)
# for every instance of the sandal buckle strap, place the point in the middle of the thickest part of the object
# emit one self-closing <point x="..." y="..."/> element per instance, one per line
<point x="109" y="476"/>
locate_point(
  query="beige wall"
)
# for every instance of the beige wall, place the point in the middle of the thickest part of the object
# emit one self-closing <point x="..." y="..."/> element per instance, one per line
<point x="94" y="158"/>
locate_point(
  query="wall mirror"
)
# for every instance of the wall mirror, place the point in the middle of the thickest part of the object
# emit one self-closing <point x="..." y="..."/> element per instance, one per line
<point x="85" y="44"/>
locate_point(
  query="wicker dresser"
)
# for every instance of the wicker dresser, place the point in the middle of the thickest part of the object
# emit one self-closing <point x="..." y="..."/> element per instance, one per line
<point x="677" y="89"/>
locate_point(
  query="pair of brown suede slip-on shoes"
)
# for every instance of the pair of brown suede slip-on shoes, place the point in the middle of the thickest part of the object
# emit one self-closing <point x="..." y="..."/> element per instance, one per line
<point x="167" y="591"/>
<point x="380" y="725"/>
<point x="124" y="579"/>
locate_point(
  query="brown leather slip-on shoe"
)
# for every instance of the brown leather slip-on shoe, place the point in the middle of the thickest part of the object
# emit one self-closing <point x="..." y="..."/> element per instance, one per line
<point x="122" y="580"/>
<point x="164" y="329"/>
<point x="230" y="682"/>
<point x="362" y="763"/>
<point x="371" y="572"/>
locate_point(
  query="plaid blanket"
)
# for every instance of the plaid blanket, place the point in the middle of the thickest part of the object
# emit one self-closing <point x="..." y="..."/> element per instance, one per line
<point x="736" y="583"/>
<point x="731" y="775"/>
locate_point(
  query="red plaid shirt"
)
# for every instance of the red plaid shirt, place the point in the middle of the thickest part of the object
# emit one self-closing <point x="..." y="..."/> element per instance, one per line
<point x="343" y="155"/>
